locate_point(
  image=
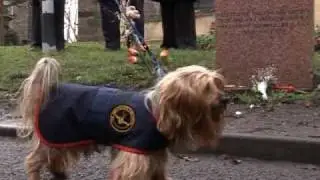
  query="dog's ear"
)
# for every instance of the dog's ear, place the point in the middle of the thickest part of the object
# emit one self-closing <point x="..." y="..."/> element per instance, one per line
<point x="219" y="82"/>
<point x="170" y="126"/>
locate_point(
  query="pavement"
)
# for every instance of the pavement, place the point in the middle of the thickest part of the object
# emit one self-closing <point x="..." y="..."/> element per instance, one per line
<point x="8" y="128"/>
<point x="210" y="167"/>
<point x="280" y="148"/>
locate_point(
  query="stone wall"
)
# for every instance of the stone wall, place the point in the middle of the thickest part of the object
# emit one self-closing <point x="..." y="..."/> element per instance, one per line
<point x="20" y="22"/>
<point x="89" y="21"/>
<point x="317" y="12"/>
<point x="89" y="18"/>
<point x="89" y="25"/>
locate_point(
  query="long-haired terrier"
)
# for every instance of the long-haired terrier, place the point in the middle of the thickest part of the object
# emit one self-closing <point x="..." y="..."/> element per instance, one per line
<point x="183" y="111"/>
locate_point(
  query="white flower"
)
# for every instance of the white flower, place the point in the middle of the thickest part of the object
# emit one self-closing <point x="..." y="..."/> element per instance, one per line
<point x="262" y="88"/>
<point x="262" y="79"/>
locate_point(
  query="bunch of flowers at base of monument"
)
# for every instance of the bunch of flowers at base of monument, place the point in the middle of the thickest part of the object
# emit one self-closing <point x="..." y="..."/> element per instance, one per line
<point x="263" y="81"/>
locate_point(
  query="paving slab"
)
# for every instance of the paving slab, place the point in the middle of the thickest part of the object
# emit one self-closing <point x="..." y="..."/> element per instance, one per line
<point x="210" y="167"/>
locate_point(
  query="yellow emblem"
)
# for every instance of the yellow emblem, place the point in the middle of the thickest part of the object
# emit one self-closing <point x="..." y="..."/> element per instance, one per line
<point x="122" y="118"/>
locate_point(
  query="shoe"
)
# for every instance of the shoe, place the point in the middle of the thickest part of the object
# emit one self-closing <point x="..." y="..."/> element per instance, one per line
<point x="164" y="56"/>
<point x="34" y="48"/>
<point x="111" y="49"/>
<point x="113" y="46"/>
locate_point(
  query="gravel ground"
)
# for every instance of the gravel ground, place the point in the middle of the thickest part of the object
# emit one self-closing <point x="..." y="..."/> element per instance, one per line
<point x="295" y="120"/>
<point x="4" y="110"/>
<point x="208" y="168"/>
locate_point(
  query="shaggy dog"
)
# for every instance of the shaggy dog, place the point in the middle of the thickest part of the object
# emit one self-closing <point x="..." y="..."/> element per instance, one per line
<point x="184" y="110"/>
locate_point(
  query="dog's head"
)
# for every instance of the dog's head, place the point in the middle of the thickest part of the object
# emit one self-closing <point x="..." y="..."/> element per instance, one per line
<point x="190" y="106"/>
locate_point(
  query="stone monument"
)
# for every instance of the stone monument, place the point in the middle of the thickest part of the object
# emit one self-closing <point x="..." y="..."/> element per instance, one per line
<point x="261" y="33"/>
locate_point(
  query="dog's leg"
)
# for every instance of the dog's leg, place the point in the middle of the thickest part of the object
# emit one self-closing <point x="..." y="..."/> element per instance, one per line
<point x="160" y="172"/>
<point x="159" y="175"/>
<point x="33" y="165"/>
<point x="130" y="166"/>
<point x="34" y="162"/>
<point x="114" y="174"/>
<point x="57" y="168"/>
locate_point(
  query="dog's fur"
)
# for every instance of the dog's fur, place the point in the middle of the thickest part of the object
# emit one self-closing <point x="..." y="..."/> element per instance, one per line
<point x="186" y="101"/>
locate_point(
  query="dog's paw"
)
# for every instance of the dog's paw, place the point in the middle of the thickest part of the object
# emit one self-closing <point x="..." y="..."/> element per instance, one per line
<point x="59" y="176"/>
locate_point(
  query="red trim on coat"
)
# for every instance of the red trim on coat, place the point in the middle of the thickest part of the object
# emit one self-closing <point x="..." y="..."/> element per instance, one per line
<point x="128" y="149"/>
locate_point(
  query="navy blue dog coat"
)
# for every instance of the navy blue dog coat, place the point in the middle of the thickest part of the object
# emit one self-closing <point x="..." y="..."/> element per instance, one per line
<point x="80" y="115"/>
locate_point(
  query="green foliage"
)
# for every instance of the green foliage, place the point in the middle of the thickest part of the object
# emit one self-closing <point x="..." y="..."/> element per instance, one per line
<point x="247" y="97"/>
<point x="316" y="62"/>
<point x="317" y="30"/>
<point x="206" y="42"/>
<point x="275" y="97"/>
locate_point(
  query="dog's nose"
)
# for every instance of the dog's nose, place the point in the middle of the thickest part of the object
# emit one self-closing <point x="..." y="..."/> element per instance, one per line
<point x="225" y="99"/>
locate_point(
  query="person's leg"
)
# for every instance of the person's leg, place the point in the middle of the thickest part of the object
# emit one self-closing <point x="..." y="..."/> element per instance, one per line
<point x="59" y="23"/>
<point x="185" y="25"/>
<point x="36" y="23"/>
<point x="168" y="25"/>
<point x="110" y="24"/>
<point x="139" y="4"/>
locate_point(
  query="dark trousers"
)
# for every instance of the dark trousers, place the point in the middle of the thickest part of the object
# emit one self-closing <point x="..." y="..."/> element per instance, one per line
<point x="111" y="24"/>
<point x="59" y="23"/>
<point x="178" y="24"/>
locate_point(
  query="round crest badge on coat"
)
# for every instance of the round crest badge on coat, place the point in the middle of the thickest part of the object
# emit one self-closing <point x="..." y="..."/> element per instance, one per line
<point x="122" y="118"/>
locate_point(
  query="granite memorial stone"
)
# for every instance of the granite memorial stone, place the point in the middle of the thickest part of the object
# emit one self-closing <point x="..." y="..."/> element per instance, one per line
<point x="261" y="33"/>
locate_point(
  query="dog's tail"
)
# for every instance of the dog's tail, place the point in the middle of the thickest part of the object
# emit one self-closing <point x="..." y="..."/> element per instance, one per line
<point x="34" y="92"/>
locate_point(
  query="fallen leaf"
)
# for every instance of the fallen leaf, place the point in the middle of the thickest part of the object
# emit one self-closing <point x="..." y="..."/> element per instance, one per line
<point x="236" y="161"/>
<point x="188" y="158"/>
<point x="307" y="104"/>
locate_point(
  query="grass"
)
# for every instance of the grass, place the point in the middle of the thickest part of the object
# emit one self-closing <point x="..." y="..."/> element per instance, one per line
<point x="88" y="63"/>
